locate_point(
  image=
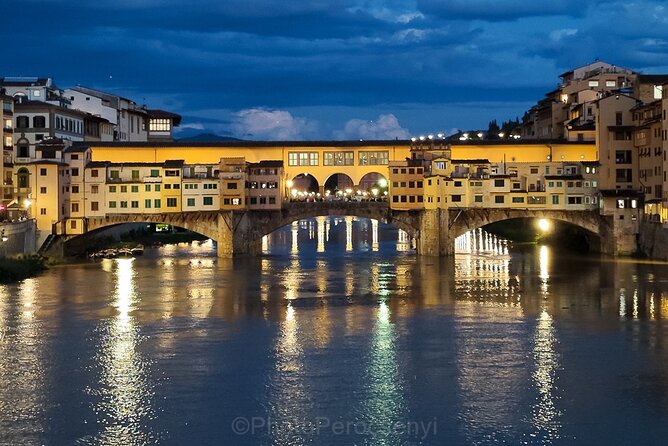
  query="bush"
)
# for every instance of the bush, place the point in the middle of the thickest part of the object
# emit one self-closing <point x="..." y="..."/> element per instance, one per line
<point x="13" y="269"/>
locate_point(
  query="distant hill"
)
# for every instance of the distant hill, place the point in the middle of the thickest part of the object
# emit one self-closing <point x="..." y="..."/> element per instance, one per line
<point x="207" y="137"/>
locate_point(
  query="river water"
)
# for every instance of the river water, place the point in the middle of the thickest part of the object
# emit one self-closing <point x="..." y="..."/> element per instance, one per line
<point x="338" y="334"/>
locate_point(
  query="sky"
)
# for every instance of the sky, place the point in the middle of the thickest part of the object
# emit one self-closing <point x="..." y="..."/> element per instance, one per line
<point x="328" y="69"/>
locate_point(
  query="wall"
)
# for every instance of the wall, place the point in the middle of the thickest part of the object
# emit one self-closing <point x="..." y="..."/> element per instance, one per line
<point x="21" y="238"/>
<point x="653" y="241"/>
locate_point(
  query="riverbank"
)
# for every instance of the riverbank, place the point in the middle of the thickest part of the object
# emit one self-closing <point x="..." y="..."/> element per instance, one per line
<point x="14" y="269"/>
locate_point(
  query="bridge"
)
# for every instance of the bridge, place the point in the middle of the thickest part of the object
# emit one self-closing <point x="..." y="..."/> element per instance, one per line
<point x="435" y="230"/>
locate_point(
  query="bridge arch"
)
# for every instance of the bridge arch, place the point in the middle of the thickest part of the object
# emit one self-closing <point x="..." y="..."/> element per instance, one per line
<point x="305" y="182"/>
<point x="373" y="179"/>
<point x="464" y="220"/>
<point x="338" y="181"/>
<point x="261" y="225"/>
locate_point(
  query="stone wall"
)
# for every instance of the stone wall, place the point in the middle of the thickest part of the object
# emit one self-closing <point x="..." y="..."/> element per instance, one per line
<point x="21" y="238"/>
<point x="653" y="240"/>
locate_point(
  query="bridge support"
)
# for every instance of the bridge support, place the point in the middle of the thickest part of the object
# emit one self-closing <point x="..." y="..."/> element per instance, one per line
<point x="434" y="236"/>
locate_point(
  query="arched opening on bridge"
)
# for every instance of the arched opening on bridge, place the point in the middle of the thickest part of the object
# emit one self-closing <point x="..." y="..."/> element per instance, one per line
<point x="125" y="235"/>
<point x="557" y="233"/>
<point x="304" y="183"/>
<point x="374" y="181"/>
<point x="337" y="235"/>
<point x="339" y="182"/>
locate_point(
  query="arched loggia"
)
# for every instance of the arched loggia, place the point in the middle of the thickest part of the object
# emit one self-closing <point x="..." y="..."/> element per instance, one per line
<point x="305" y="182"/>
<point x="339" y="182"/>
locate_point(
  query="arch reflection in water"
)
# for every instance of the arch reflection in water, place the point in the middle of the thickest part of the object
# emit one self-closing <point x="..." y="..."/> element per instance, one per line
<point x="126" y="392"/>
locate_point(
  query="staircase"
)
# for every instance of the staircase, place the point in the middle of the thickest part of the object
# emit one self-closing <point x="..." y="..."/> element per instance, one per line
<point x="50" y="240"/>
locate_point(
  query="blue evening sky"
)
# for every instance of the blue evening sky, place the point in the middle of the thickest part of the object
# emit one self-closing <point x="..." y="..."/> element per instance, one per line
<point x="329" y="69"/>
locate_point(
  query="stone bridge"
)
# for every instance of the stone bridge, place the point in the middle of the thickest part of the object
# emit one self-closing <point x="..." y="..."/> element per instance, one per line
<point x="241" y="232"/>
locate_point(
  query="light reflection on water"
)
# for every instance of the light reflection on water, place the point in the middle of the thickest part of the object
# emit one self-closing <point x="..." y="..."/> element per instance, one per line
<point x="338" y="320"/>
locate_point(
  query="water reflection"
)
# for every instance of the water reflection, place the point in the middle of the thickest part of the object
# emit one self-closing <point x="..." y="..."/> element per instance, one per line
<point x="384" y="403"/>
<point x="125" y="405"/>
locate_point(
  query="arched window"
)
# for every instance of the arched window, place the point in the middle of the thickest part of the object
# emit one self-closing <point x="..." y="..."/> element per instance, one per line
<point x="39" y="122"/>
<point x="22" y="122"/>
<point x="23" y="178"/>
<point x="23" y="148"/>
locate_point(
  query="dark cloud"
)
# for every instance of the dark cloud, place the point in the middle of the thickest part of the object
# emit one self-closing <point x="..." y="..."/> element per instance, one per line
<point x="271" y="56"/>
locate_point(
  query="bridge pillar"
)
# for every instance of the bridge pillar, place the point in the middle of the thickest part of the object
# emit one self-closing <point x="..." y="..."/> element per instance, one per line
<point x="244" y="243"/>
<point x="225" y="240"/>
<point x="434" y="237"/>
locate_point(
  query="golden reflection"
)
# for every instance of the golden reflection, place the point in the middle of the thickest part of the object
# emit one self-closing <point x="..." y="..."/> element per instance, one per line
<point x="349" y="233"/>
<point x="545" y="415"/>
<point x="265" y="244"/>
<point x="544" y="265"/>
<point x="289" y="397"/>
<point x="403" y="242"/>
<point x="635" y="304"/>
<point x="295" y="232"/>
<point x="321" y="222"/>
<point x="125" y="404"/>
<point x="374" y="235"/>
<point x="652" y="309"/>
<point x="384" y="404"/>
<point x="292" y="279"/>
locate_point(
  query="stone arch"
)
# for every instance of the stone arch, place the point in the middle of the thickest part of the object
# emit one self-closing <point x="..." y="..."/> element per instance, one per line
<point x="338" y="181"/>
<point x="464" y="220"/>
<point x="261" y="225"/>
<point x="305" y="182"/>
<point x="372" y="180"/>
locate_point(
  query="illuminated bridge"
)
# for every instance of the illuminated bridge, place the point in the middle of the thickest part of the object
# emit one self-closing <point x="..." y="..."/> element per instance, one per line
<point x="240" y="233"/>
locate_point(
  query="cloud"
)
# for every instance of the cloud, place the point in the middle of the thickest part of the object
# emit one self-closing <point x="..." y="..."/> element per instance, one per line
<point x="501" y="10"/>
<point x="271" y="125"/>
<point x="385" y="127"/>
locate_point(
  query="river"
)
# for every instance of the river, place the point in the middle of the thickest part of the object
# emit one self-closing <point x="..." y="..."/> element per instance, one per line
<point x="338" y="334"/>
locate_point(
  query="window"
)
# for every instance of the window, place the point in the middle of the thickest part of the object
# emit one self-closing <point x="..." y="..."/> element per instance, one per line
<point x="499" y="199"/>
<point x="95" y="189"/>
<point x="374" y="158"/>
<point x="135" y="174"/>
<point x="610" y="83"/>
<point x="458" y="184"/>
<point x="42" y="172"/>
<point x="456" y="198"/>
<point x="114" y="174"/>
<point x="518" y="199"/>
<point x="302" y="158"/>
<point x="618" y="118"/>
<point x="75" y="189"/>
<point x="124" y="204"/>
<point x="22" y="122"/>
<point x="134" y="204"/>
<point x="172" y="173"/>
<point x="338" y="158"/>
<point x="42" y="211"/>
<point x="190" y="202"/>
<point x="124" y="189"/>
<point x="147" y="188"/>
<point x="272" y="200"/>
<point x="499" y="183"/>
<point x="94" y="206"/>
<point x="593" y="84"/>
<point x="134" y="189"/>
<point x="159" y="125"/>
<point x="171" y="202"/>
<point x="168" y="186"/>
<point x="477" y="198"/>
<point x="213" y="186"/>
<point x="112" y="189"/>
<point x="236" y="201"/>
<point x="177" y="186"/>
<point x="534" y="170"/>
<point x="94" y="173"/>
<point x="156" y="203"/>
<point x="155" y="173"/>
<point x="147" y="203"/>
<point x="73" y="224"/>
<point x="157" y="188"/>
<point x="231" y="185"/>
<point x="112" y="205"/>
<point x="39" y="122"/>
<point x="42" y="190"/>
<point x="574" y="200"/>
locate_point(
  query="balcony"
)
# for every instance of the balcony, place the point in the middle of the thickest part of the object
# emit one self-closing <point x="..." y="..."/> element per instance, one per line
<point x="152" y="180"/>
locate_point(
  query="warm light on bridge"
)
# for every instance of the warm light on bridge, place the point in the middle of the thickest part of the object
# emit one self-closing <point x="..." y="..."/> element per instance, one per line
<point x="544" y="225"/>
